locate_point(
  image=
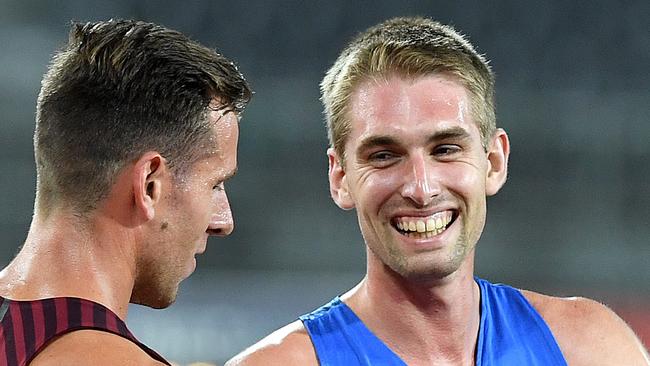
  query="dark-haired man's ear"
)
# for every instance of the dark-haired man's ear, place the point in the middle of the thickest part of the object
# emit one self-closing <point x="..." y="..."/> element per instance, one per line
<point x="338" y="182"/>
<point x="497" y="171"/>
<point x="149" y="173"/>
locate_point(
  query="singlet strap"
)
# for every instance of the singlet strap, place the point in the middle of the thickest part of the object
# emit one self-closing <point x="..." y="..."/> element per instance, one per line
<point x="340" y="338"/>
<point x="29" y="326"/>
<point x="3" y="308"/>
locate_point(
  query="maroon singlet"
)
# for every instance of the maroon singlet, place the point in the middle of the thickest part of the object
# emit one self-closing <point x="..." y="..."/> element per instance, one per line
<point x="28" y="326"/>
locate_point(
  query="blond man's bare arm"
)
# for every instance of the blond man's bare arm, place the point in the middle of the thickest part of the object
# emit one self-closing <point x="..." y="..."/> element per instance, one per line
<point x="289" y="345"/>
<point x="588" y="332"/>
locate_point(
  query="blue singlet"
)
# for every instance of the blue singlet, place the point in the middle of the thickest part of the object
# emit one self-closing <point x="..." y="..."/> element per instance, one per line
<point x="511" y="333"/>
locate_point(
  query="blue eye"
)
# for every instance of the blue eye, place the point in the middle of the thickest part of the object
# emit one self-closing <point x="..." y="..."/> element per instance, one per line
<point x="382" y="155"/>
<point x="444" y="150"/>
<point x="383" y="158"/>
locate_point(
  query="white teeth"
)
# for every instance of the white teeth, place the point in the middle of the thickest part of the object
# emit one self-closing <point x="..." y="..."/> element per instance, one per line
<point x="439" y="224"/>
<point x="428" y="228"/>
<point x="421" y="226"/>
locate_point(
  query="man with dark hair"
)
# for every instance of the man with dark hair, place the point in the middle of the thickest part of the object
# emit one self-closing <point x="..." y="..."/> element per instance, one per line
<point x="136" y="133"/>
<point x="415" y="150"/>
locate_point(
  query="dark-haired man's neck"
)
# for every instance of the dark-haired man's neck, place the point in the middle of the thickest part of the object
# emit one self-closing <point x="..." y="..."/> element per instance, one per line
<point x="65" y="256"/>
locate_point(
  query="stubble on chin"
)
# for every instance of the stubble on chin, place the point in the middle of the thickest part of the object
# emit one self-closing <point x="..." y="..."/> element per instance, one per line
<point x="420" y="268"/>
<point x="154" y="299"/>
<point x="154" y="288"/>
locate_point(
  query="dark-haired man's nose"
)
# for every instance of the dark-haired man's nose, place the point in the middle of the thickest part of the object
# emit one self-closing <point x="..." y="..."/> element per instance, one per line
<point x="221" y="221"/>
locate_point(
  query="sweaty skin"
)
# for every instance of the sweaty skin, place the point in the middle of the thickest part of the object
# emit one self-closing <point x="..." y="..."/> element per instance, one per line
<point x="136" y="247"/>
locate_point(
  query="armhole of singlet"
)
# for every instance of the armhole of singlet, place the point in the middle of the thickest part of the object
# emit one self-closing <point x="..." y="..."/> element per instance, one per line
<point x="124" y="332"/>
<point x="343" y="309"/>
<point x="309" y="321"/>
<point x="549" y="337"/>
<point x="150" y="352"/>
<point x="121" y="331"/>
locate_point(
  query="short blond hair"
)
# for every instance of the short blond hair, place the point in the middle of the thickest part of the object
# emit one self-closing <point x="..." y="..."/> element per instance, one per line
<point x="410" y="48"/>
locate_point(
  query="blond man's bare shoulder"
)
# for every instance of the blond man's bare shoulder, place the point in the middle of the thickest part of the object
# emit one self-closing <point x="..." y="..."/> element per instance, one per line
<point x="289" y="345"/>
<point x="588" y="332"/>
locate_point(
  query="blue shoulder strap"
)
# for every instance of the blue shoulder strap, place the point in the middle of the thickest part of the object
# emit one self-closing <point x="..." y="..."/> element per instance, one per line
<point x="341" y="338"/>
<point x="512" y="332"/>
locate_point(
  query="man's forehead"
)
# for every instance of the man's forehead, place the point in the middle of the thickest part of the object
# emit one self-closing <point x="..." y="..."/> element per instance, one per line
<point x="221" y="141"/>
<point x="435" y="93"/>
<point x="224" y="123"/>
<point x="400" y="103"/>
<point x="218" y="162"/>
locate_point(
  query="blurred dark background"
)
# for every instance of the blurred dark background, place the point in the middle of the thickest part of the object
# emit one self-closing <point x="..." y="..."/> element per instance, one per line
<point x="572" y="92"/>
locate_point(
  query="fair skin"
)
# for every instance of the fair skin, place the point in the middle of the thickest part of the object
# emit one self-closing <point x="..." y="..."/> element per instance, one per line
<point x="414" y="154"/>
<point x="137" y="246"/>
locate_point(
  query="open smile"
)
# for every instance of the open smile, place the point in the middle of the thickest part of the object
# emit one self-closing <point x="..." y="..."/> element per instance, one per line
<point x="424" y="227"/>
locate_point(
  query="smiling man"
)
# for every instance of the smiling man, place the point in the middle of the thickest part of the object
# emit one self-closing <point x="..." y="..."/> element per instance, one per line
<point x="415" y="151"/>
<point x="136" y="133"/>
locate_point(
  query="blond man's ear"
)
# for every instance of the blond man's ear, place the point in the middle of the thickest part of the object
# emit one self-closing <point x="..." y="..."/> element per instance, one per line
<point x="339" y="189"/>
<point x="497" y="155"/>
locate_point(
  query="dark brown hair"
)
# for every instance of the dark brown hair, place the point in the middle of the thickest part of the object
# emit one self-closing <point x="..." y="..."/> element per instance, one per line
<point x="118" y="89"/>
